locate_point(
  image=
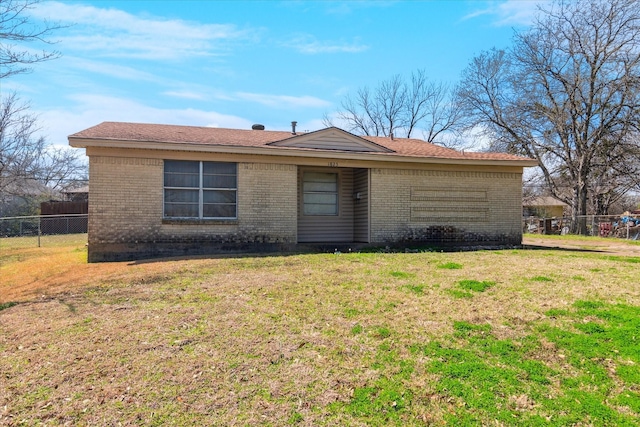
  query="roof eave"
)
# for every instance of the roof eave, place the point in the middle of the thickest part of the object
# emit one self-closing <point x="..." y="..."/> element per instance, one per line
<point x="291" y="152"/>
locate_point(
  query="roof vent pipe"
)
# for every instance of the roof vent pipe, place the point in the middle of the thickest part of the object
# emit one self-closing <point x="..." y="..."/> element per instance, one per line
<point x="257" y="127"/>
<point x="293" y="127"/>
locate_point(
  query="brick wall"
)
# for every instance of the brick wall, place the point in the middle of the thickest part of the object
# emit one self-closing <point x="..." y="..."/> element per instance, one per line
<point x="126" y="205"/>
<point x="464" y="207"/>
<point x="268" y="197"/>
<point x="125" y="200"/>
<point x="479" y="206"/>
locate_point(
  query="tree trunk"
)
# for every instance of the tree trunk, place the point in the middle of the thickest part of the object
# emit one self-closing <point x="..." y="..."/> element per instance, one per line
<point x="579" y="215"/>
<point x="602" y="203"/>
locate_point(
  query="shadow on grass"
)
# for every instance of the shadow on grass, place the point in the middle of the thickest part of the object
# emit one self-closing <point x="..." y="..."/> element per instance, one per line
<point x="212" y="256"/>
<point x="561" y="249"/>
<point x="367" y="250"/>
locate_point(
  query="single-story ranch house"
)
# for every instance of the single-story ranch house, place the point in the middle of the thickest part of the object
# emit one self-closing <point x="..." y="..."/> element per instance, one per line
<point x="164" y="190"/>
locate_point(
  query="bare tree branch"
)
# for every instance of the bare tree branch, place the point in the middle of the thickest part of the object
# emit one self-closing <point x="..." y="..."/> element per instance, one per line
<point x="567" y="93"/>
<point x="28" y="165"/>
<point x="25" y="157"/>
<point x="399" y="107"/>
<point x="17" y="29"/>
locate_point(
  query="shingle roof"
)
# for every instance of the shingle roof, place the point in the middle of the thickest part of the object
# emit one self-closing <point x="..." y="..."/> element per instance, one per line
<point x="543" y="201"/>
<point x="141" y="132"/>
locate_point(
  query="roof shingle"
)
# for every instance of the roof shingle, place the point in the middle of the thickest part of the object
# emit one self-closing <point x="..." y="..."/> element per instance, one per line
<point x="143" y="132"/>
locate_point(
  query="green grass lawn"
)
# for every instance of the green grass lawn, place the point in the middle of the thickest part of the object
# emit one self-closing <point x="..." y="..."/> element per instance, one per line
<point x="514" y="337"/>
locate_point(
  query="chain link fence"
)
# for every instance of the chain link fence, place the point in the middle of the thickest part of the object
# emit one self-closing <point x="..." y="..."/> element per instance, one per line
<point x="42" y="230"/>
<point x="614" y="226"/>
<point x="51" y="230"/>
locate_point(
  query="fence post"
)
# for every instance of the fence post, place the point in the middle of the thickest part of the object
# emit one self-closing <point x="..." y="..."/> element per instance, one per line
<point x="39" y="229"/>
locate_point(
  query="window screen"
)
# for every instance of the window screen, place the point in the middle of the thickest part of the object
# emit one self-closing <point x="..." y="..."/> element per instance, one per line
<point x="200" y="189"/>
<point x="320" y="193"/>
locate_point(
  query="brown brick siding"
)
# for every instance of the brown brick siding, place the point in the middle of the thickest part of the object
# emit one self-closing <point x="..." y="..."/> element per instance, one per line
<point x="468" y="206"/>
<point x="451" y="207"/>
<point x="268" y="195"/>
<point x="125" y="200"/>
<point x="126" y="205"/>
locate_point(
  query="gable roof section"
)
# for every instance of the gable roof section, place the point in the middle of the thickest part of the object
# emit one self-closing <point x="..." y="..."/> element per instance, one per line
<point x="332" y="139"/>
<point x="328" y="143"/>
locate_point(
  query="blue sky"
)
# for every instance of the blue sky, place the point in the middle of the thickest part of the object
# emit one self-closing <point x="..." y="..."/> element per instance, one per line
<point x="235" y="63"/>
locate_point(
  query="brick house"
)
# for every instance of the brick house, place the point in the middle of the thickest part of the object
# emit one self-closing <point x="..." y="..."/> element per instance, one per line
<point x="164" y="190"/>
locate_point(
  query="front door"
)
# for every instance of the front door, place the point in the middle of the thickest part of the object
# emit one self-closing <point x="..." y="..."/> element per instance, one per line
<point x="333" y="205"/>
<point x="325" y="205"/>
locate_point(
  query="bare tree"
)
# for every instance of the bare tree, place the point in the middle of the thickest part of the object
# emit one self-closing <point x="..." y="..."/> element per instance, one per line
<point x="418" y="95"/>
<point x="442" y="114"/>
<point x="28" y="165"/>
<point x="397" y="107"/>
<point x="18" y="28"/>
<point x="361" y="115"/>
<point x="25" y="157"/>
<point x="567" y="93"/>
<point x="615" y="173"/>
<point x="20" y="149"/>
<point x="391" y="101"/>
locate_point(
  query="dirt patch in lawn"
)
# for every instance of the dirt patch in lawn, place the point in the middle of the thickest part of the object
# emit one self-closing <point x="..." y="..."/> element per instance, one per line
<point x="607" y="246"/>
<point x="52" y="275"/>
<point x="40" y="274"/>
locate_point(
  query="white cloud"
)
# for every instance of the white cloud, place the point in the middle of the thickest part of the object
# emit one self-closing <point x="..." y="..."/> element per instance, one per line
<point x="111" y="69"/>
<point x="117" y="33"/>
<point x="9" y="86"/>
<point x="308" y="44"/>
<point x="284" y="101"/>
<point x="185" y="94"/>
<point x="474" y="139"/>
<point x="87" y="110"/>
<point x="345" y="8"/>
<point x="90" y="110"/>
<point x="336" y="121"/>
<point x="477" y="13"/>
<point x="514" y="12"/>
<point x="202" y="93"/>
<point x="311" y="125"/>
<point x="509" y="12"/>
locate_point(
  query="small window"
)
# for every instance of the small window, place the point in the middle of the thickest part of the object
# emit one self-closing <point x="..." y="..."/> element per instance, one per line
<point x="320" y="193"/>
<point x="200" y="189"/>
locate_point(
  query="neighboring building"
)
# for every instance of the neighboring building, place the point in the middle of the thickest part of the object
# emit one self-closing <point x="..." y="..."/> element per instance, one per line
<point x="544" y="207"/>
<point x="80" y="194"/>
<point x="22" y="197"/>
<point x="162" y="190"/>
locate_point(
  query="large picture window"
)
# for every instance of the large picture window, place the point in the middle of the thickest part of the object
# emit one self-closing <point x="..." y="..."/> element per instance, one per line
<point x="320" y="193"/>
<point x="200" y="189"/>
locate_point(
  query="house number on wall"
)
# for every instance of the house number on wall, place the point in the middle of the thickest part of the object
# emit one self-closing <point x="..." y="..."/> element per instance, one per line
<point x="333" y="164"/>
